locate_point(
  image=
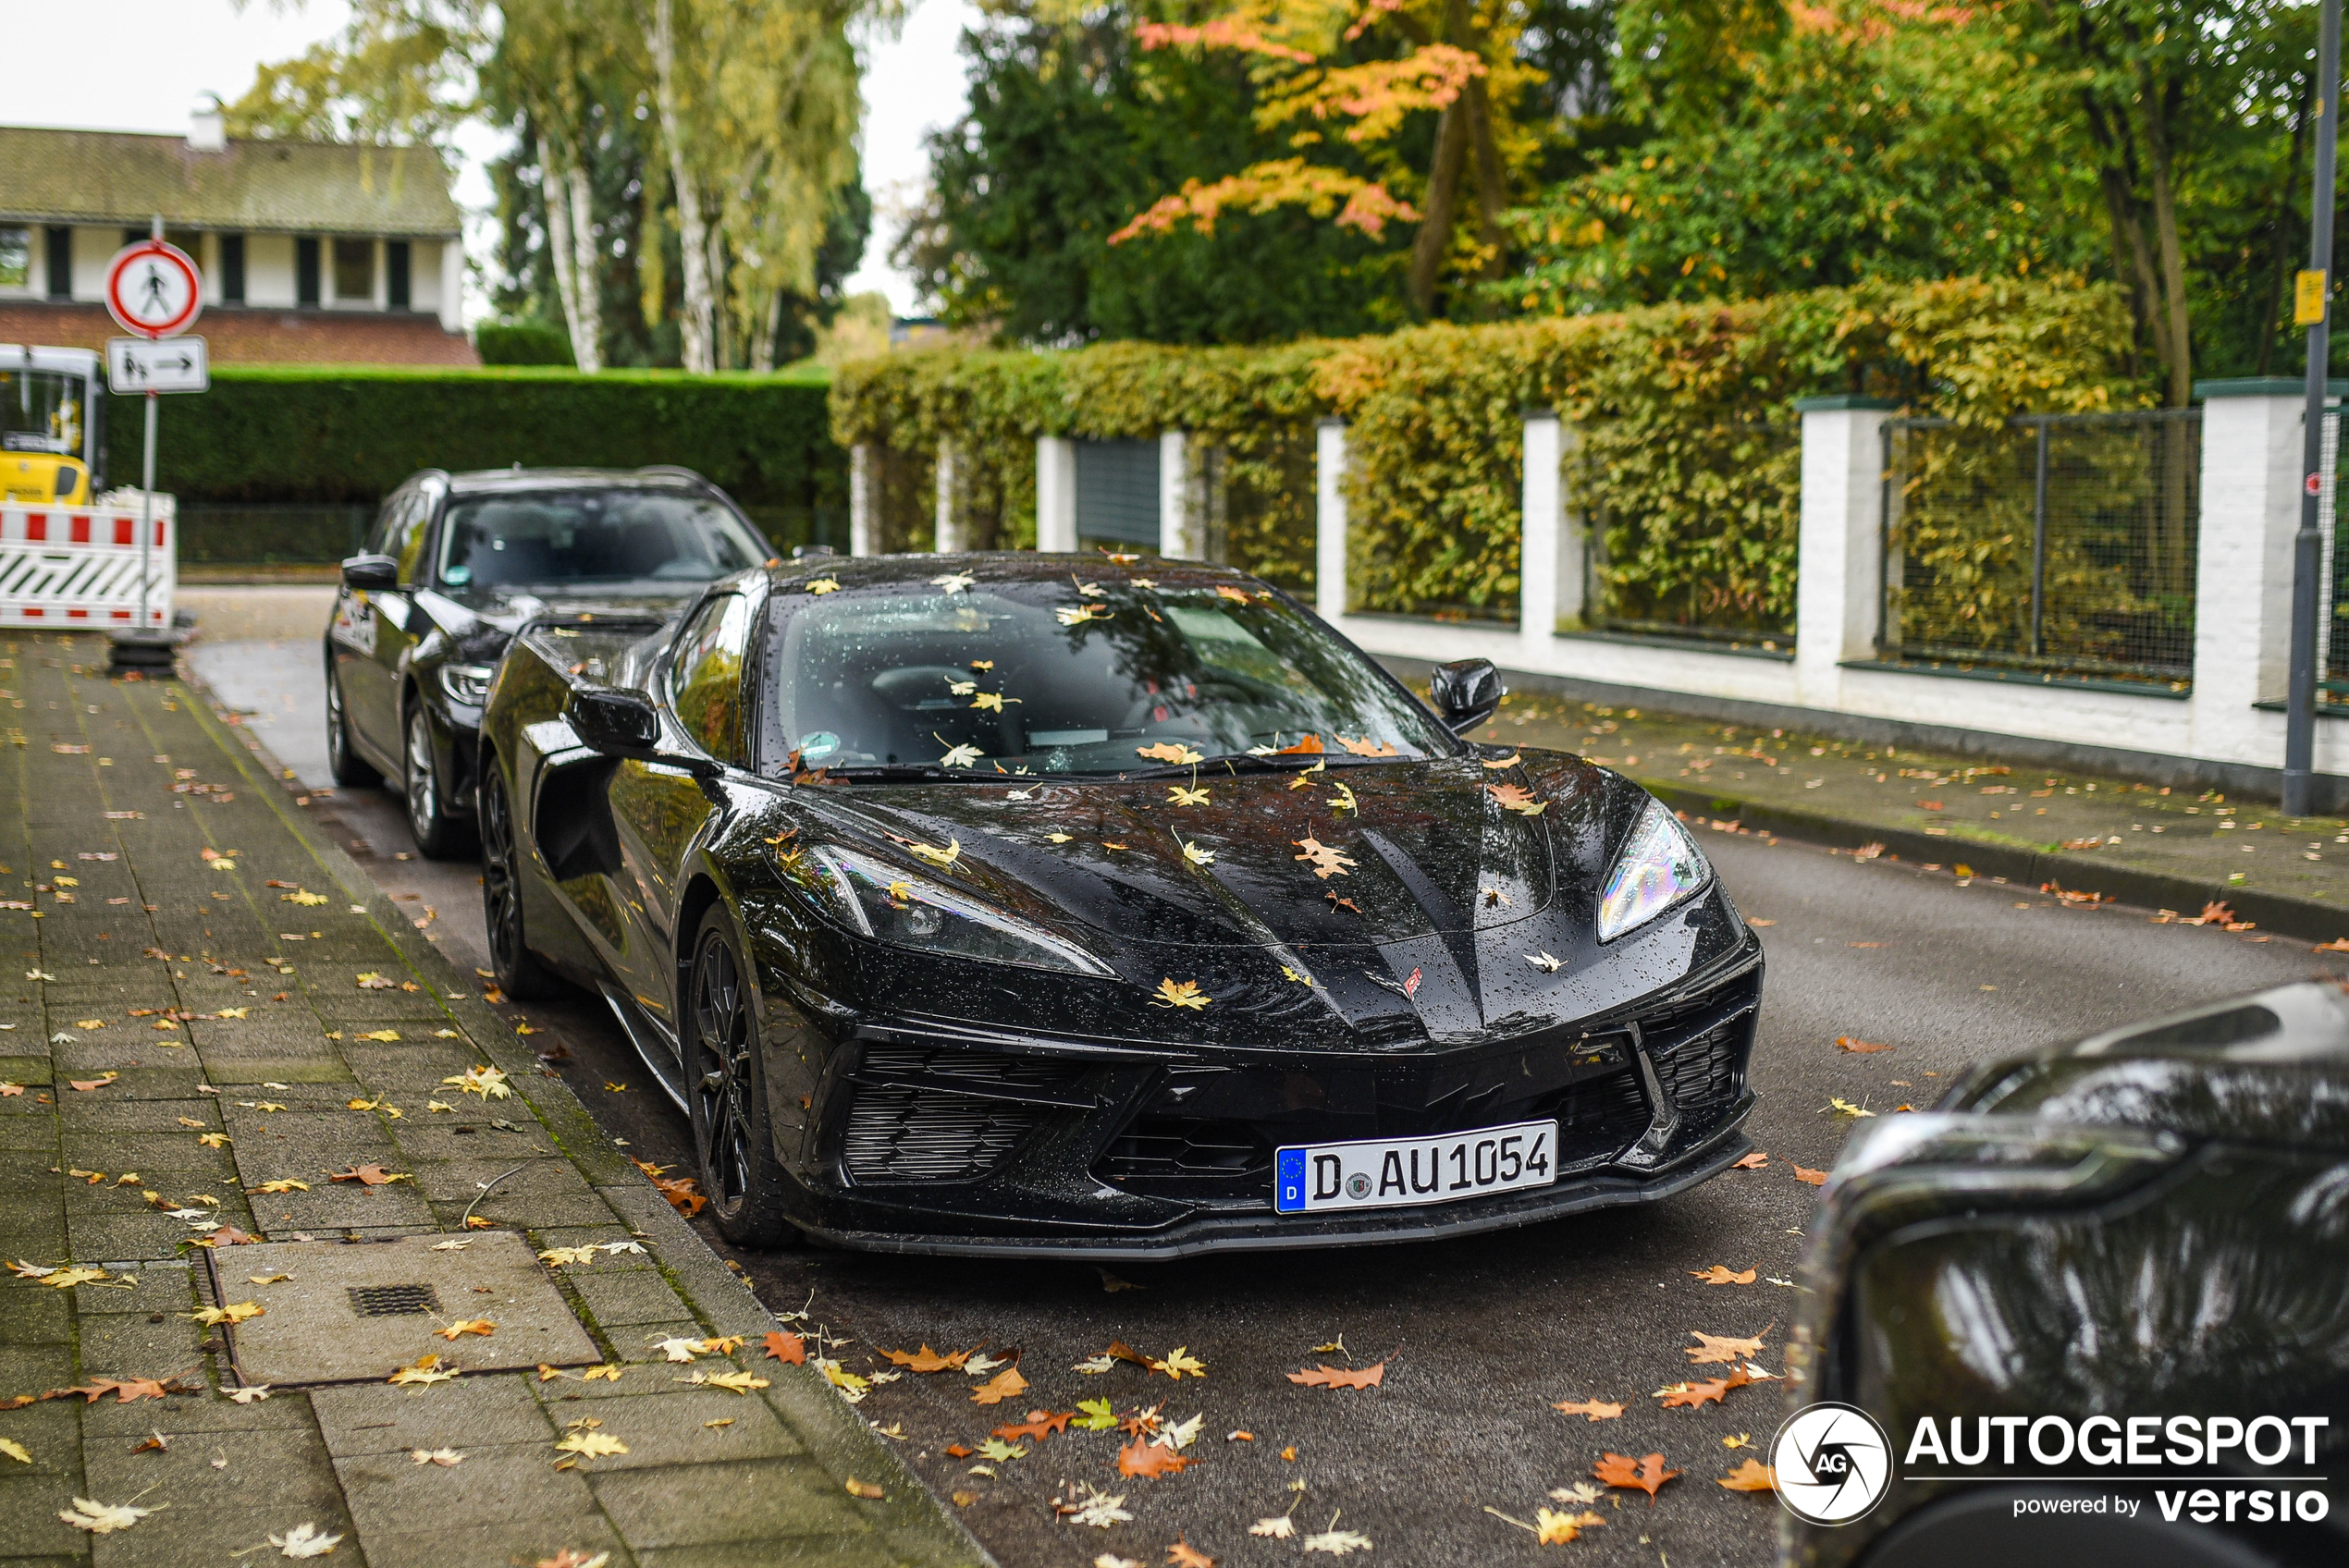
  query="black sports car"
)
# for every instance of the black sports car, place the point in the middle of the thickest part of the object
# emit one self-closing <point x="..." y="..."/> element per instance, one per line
<point x="453" y="563"/>
<point x="2093" y="1305"/>
<point x="1011" y="902"/>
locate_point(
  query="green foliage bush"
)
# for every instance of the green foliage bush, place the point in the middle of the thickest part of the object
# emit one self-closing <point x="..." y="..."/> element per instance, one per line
<point x="525" y="342"/>
<point x="1687" y="432"/>
<point x="283" y="435"/>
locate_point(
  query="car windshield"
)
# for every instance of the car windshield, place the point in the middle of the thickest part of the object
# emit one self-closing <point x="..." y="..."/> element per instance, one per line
<point x="614" y="535"/>
<point x="40" y="411"/>
<point x="1071" y="678"/>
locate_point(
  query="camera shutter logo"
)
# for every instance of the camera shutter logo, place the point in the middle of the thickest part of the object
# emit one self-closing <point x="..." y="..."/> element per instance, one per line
<point x="1834" y="1462"/>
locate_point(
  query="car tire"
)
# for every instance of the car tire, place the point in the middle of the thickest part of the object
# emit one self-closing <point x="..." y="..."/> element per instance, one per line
<point x="519" y="973"/>
<point x="438" y="835"/>
<point x="342" y="760"/>
<point x="726" y="1095"/>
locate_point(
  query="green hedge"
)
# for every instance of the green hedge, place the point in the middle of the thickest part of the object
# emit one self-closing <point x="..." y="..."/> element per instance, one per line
<point x="1687" y="435"/>
<point x="523" y="343"/>
<point x="317" y="434"/>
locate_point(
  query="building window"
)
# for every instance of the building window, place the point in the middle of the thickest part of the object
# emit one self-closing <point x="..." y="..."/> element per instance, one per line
<point x="16" y="257"/>
<point x="396" y="274"/>
<point x="355" y="271"/>
<point x="305" y="271"/>
<point x="60" y="267"/>
<point x="232" y="269"/>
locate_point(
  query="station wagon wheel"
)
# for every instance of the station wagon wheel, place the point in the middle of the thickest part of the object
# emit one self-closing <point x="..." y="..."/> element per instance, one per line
<point x="733" y="1140"/>
<point x="518" y="972"/>
<point x="342" y="760"/>
<point x="438" y="835"/>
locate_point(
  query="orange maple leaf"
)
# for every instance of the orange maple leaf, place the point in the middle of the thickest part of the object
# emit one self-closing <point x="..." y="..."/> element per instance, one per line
<point x="1815" y="1178"/>
<point x="124" y="1389"/>
<point x="370" y="1175"/>
<point x="1341" y="1377"/>
<point x="784" y="1345"/>
<point x="1516" y="798"/>
<point x="1365" y="747"/>
<point x="1751" y="1476"/>
<point x="1182" y="1554"/>
<point x="928" y="1360"/>
<point x="1646" y="1474"/>
<point x="1328" y="860"/>
<point x="682" y="1192"/>
<point x="1040" y="1425"/>
<point x="1692" y="1396"/>
<point x="999" y="1387"/>
<point x="1754" y="1161"/>
<point x="1719" y="1348"/>
<point x="1720" y="1274"/>
<point x="1595" y="1409"/>
<point x="1309" y="746"/>
<point x="1857" y="1046"/>
<point x="959" y="1450"/>
<point x="1150" y="1459"/>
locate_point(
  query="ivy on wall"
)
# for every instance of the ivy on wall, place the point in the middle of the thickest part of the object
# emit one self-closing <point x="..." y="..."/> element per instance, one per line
<point x="1687" y="439"/>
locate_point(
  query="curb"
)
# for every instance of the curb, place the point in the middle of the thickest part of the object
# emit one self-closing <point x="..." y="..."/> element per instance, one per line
<point x="2278" y="913"/>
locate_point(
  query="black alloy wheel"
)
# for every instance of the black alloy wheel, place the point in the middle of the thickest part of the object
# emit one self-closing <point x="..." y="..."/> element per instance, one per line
<point x="519" y="973"/>
<point x="341" y="761"/>
<point x="733" y="1140"/>
<point x="438" y="835"/>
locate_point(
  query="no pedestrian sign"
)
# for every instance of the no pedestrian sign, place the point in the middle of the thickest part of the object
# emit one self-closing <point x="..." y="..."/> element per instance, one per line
<point x="178" y="365"/>
<point x="153" y="289"/>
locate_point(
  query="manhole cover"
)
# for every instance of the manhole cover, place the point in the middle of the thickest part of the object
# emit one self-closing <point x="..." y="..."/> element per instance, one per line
<point x="355" y="1311"/>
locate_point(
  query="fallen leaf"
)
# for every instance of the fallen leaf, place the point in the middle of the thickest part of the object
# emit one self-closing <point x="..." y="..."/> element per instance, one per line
<point x="783" y="1345"/>
<point x="1713" y="1348"/>
<point x="86" y="1085"/>
<point x="238" y="1313"/>
<point x="590" y="1445"/>
<point x="424" y="1370"/>
<point x="733" y="1382"/>
<point x="1595" y="1409"/>
<point x="283" y="1184"/>
<point x="1692" y="1395"/>
<point x="246" y="1396"/>
<point x="1751" y="1476"/>
<point x="124" y="1389"/>
<point x="1341" y="1377"/>
<point x="1040" y="1425"/>
<point x="1176" y="1363"/>
<point x="1096" y="1414"/>
<point x="481" y="1326"/>
<point x="1848" y="1108"/>
<point x="1002" y="1450"/>
<point x="682" y="1192"/>
<point x="155" y="1443"/>
<point x="1581" y="1492"/>
<point x="1176" y="795"/>
<point x="1719" y="1275"/>
<point x="104" y="1518"/>
<point x="1174" y="993"/>
<point x="1815" y="1178"/>
<point x="76" y="1274"/>
<point x="1149" y="1459"/>
<point x="1754" y="1161"/>
<point x="371" y="1175"/>
<point x="1514" y="797"/>
<point x="1647" y="1473"/>
<point x="999" y="1387"/>
<point x="1328" y="861"/>
<point x="927" y="1359"/>
<point x="1545" y="963"/>
<point x="1182" y="1554"/>
<point x="447" y="1458"/>
<point x="608" y="1372"/>
<point x="1554" y="1528"/>
<point x="304" y="1540"/>
<point x="1336" y="1542"/>
<point x="1857" y="1046"/>
<point x="865" y="1490"/>
<point x="1280" y="1528"/>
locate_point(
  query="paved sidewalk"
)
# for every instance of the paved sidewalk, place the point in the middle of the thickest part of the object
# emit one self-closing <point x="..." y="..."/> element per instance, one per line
<point x="2140" y="843"/>
<point x="189" y="1033"/>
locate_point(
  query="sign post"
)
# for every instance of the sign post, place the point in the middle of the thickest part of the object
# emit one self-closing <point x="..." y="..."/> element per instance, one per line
<point x="154" y="290"/>
<point x="2311" y="298"/>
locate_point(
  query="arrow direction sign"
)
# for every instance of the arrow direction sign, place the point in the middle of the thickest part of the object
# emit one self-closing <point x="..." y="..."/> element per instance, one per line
<point x="174" y="365"/>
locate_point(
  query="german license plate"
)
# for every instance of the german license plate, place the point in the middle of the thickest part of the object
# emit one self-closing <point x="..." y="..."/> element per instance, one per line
<point x="1396" y="1172"/>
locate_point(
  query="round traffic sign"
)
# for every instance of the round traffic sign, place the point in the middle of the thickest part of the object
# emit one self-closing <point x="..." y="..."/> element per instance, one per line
<point x="153" y="289"/>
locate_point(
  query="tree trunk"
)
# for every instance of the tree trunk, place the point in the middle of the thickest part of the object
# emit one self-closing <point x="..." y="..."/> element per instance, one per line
<point x="1434" y="237"/>
<point x="697" y="330"/>
<point x="587" y="311"/>
<point x="2172" y="251"/>
<point x="554" y="185"/>
<point x="1492" y="178"/>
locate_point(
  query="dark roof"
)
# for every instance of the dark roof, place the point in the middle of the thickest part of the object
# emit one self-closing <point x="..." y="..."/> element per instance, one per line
<point x="106" y="176"/>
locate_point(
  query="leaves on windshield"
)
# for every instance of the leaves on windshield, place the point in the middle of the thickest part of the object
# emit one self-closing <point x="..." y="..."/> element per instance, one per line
<point x="1169" y="751"/>
<point x="1545" y="963"/>
<point x="939" y="858"/>
<point x="953" y="581"/>
<point x="1365" y="747"/>
<point x="1077" y="615"/>
<point x="822" y="585"/>
<point x="1498" y="762"/>
<point x="1179" y="796"/>
<point x="1180" y="994"/>
<point x="1197" y="856"/>
<point x="1328" y="861"/>
<point x="1238" y="595"/>
<point x="991" y="701"/>
<point x="1514" y="798"/>
<point x="959" y="756"/>
<point x="1309" y="746"/>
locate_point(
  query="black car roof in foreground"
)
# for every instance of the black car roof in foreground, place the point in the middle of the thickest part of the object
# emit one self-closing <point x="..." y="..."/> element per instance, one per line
<point x="1002" y="566"/>
<point x="492" y="481"/>
<point x="2306" y="1021"/>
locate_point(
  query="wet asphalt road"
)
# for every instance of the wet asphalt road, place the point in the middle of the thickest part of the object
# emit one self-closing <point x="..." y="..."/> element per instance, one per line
<point x="1485" y="1333"/>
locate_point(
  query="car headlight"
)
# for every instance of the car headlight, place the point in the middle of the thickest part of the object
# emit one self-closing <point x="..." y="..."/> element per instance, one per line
<point x="1659" y="867"/>
<point x="467" y="683"/>
<point x="893" y="905"/>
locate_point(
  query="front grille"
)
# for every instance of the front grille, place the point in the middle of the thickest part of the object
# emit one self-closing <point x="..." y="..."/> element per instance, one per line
<point x="1598" y="1116"/>
<point x="1187" y="1155"/>
<point x="933" y="1114"/>
<point x="1702" y="1073"/>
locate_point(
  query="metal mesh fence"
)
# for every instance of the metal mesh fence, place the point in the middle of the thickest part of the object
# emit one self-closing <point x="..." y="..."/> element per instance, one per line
<point x="2059" y="544"/>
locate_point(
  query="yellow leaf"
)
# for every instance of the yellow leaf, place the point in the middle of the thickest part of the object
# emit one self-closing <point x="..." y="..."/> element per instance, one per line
<point x="1170" y="750"/>
<point x="941" y="859"/>
<point x="236" y="1313"/>
<point x="481" y="1326"/>
<point x="733" y="1382"/>
<point x="560" y="1255"/>
<point x="1180" y="994"/>
<point x="384" y="1035"/>
<point x="1179" y="1361"/>
<point x="213" y="1139"/>
<point x="591" y="1445"/>
<point x="1179" y="796"/>
<point x="303" y="896"/>
<point x="1197" y="856"/>
<point x="1557" y="1528"/>
<point x="283" y="1184"/>
<point x="72" y="1275"/>
<point x="609" y="1372"/>
<point x="424" y="1369"/>
<point x="822" y="585"/>
<point x="15" y="1451"/>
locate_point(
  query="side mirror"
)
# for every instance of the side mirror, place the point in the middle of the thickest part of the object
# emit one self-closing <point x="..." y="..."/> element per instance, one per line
<point x="1466" y="692"/>
<point x="375" y="572"/>
<point x="615" y="723"/>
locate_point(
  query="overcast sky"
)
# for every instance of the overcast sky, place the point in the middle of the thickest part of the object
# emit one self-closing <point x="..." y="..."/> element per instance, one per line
<point x="142" y="65"/>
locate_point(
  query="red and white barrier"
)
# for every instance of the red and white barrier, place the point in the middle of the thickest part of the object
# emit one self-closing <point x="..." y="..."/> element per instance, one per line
<point x="78" y="567"/>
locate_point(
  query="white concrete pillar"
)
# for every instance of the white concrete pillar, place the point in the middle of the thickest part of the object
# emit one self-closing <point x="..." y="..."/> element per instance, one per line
<point x="2251" y="458"/>
<point x="1182" y="533"/>
<point x="1840" y="558"/>
<point x="1550" y="540"/>
<point x="452" y="284"/>
<point x="1329" y="518"/>
<point x="1055" y="494"/>
<point x="948" y="539"/>
<point x="863" y="537"/>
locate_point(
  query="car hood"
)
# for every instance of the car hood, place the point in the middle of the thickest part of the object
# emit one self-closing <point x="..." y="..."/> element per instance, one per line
<point x="505" y="607"/>
<point x="1362" y="854"/>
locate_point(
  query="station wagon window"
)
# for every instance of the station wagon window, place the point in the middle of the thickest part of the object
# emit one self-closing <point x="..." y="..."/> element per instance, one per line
<point x="705" y="677"/>
<point x="408" y="535"/>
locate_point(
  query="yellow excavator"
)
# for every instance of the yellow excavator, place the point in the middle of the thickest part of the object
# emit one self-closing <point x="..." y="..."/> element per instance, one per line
<point x="52" y="418"/>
